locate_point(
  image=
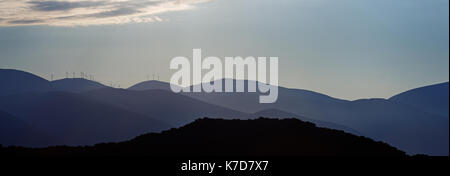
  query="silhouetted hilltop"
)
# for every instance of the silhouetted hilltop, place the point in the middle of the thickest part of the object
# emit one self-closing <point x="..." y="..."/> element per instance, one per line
<point x="275" y="113"/>
<point x="16" y="81"/>
<point x="217" y="137"/>
<point x="151" y="85"/>
<point x="433" y="98"/>
<point x="412" y="121"/>
<point x="76" y="85"/>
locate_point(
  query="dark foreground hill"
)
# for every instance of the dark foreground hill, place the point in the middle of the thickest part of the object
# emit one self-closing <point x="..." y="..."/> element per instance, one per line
<point x="217" y="137"/>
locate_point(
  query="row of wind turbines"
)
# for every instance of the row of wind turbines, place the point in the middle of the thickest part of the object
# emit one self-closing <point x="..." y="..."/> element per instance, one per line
<point x="90" y="77"/>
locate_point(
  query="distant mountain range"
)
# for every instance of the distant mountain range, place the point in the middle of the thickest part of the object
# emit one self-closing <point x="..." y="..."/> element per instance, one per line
<point x="80" y="112"/>
<point x="403" y="125"/>
<point x="16" y="81"/>
<point x="165" y="106"/>
<point x="213" y="137"/>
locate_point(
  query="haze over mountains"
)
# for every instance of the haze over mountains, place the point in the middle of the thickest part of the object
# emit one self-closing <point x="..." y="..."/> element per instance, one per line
<point x="80" y="112"/>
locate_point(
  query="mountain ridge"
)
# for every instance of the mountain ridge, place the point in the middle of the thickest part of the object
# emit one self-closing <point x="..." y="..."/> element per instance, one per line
<point x="17" y="81"/>
<point x="432" y="98"/>
<point x="380" y="119"/>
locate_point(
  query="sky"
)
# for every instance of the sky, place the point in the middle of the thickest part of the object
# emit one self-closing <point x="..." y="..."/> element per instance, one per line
<point x="347" y="49"/>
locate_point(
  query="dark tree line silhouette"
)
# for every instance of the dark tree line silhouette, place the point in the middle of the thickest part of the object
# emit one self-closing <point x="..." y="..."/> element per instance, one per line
<point x="218" y="137"/>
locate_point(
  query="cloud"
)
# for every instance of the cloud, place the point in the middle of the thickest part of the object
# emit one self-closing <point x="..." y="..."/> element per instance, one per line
<point x="62" y="5"/>
<point x="24" y="21"/>
<point x="114" y="13"/>
<point x="83" y="12"/>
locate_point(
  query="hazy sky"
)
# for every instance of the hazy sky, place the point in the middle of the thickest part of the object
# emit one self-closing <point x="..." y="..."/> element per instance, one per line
<point x="347" y="49"/>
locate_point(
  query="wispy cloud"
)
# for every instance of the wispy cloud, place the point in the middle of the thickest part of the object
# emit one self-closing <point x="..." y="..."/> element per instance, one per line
<point x="83" y="12"/>
<point x="63" y="5"/>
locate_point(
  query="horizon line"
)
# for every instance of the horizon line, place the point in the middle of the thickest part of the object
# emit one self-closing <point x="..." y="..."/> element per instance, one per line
<point x="100" y="82"/>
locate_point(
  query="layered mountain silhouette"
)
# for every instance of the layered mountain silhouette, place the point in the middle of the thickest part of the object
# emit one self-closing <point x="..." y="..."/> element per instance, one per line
<point x="213" y="137"/>
<point x="77" y="120"/>
<point x="169" y="107"/>
<point x="410" y="128"/>
<point x="249" y="98"/>
<point x="81" y="112"/>
<point x="433" y="99"/>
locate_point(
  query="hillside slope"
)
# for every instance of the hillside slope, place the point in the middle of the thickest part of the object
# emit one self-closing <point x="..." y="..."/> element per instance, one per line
<point x="76" y="85"/>
<point x="217" y="137"/>
<point x="174" y="109"/>
<point x="14" y="131"/>
<point x="77" y="120"/>
<point x="16" y="81"/>
<point x="433" y="99"/>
